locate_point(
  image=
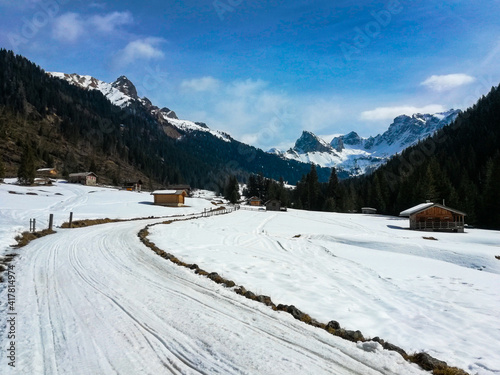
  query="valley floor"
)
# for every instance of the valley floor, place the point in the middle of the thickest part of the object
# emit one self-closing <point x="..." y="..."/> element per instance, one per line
<point x="368" y="272"/>
<point x="95" y="300"/>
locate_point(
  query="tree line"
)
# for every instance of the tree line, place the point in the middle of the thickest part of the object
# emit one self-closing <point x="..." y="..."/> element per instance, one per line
<point x="458" y="166"/>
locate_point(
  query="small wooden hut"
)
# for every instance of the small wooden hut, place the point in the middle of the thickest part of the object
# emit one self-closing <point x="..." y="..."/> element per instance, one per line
<point x="172" y="198"/>
<point x="187" y="188"/>
<point x="46" y="172"/>
<point x="435" y="217"/>
<point x="84" y="178"/>
<point x="255" y="201"/>
<point x="273" y="205"/>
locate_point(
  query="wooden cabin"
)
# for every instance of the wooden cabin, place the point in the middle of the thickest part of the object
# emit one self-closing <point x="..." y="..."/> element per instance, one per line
<point x="435" y="217"/>
<point x="132" y="186"/>
<point x="84" y="178"/>
<point x="46" y="173"/>
<point x="255" y="201"/>
<point x="172" y="198"/>
<point x="45" y="176"/>
<point x="273" y="205"/>
<point x="187" y="188"/>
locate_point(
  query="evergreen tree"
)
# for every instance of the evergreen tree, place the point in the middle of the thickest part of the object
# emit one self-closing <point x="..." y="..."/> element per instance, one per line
<point x="332" y="193"/>
<point x="2" y="170"/>
<point x="252" y="188"/>
<point x="313" y="190"/>
<point x="26" y="171"/>
<point x="491" y="205"/>
<point x="232" y="190"/>
<point x="93" y="166"/>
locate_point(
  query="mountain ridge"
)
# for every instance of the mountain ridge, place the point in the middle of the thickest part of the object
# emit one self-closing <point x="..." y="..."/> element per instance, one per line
<point x="71" y="124"/>
<point x="356" y="155"/>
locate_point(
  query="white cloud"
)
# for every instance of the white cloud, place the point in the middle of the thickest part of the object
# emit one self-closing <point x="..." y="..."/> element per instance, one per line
<point x="109" y="22"/>
<point x="140" y="49"/>
<point x="447" y="82"/>
<point x="320" y="114"/>
<point x="246" y="88"/>
<point x="201" y="84"/>
<point x="253" y="112"/>
<point x="389" y="113"/>
<point x="68" y="27"/>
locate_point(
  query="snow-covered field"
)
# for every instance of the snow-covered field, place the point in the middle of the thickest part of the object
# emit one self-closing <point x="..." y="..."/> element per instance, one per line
<point x="96" y="301"/>
<point x="368" y="272"/>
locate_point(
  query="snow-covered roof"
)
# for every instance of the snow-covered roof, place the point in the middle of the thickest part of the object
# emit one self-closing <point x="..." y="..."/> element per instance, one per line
<point x="417" y="208"/>
<point x="82" y="174"/>
<point x="423" y="206"/>
<point x="45" y="169"/>
<point x="168" y="192"/>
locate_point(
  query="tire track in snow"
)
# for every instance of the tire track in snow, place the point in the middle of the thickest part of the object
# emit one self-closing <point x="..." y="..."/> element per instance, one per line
<point x="104" y="304"/>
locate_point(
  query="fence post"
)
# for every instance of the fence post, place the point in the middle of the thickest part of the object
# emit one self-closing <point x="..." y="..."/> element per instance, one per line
<point x="51" y="221"/>
<point x="34" y="225"/>
<point x="70" y="219"/>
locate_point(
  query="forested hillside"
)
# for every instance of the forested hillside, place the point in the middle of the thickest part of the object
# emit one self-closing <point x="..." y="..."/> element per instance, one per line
<point x="460" y="164"/>
<point x="74" y="129"/>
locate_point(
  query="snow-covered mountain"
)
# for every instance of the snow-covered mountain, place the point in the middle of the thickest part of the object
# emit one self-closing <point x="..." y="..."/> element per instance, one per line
<point x="123" y="93"/>
<point x="356" y="155"/>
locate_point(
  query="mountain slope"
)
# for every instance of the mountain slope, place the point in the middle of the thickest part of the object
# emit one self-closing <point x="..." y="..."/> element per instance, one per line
<point x="460" y="164"/>
<point x="211" y="146"/>
<point x="73" y="122"/>
<point x="355" y="155"/>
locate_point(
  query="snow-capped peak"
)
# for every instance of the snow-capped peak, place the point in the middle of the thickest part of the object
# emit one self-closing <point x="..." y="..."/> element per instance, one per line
<point x="122" y="93"/>
<point x="309" y="142"/>
<point x="112" y="91"/>
<point x="124" y="85"/>
<point x="356" y="155"/>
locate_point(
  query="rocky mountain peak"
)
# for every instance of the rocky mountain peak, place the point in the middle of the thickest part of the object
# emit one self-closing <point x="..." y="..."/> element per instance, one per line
<point x="351" y="139"/>
<point x="169" y="113"/>
<point x="124" y="85"/>
<point x="308" y="142"/>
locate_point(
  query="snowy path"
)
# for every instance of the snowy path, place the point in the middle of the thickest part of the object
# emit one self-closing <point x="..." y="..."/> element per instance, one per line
<point x="96" y="301"/>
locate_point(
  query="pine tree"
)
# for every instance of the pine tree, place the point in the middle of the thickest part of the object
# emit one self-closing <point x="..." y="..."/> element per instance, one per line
<point x="332" y="193"/>
<point x="491" y="203"/>
<point x="93" y="166"/>
<point x="313" y="190"/>
<point x="26" y="171"/>
<point x="232" y="190"/>
<point x="2" y="170"/>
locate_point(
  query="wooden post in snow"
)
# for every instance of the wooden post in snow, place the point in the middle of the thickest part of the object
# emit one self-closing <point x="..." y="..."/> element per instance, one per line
<point x="51" y="221"/>
<point x="71" y="219"/>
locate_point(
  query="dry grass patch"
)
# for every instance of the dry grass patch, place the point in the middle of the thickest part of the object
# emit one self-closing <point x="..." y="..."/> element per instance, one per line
<point x="90" y="222"/>
<point x="26" y="237"/>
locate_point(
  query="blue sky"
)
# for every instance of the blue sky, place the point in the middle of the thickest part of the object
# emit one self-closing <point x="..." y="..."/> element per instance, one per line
<point x="263" y="71"/>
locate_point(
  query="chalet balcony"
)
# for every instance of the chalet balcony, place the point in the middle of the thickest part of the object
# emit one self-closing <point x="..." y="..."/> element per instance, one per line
<point x="439" y="226"/>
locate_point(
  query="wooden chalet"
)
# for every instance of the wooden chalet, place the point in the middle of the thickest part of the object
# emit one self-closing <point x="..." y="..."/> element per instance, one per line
<point x="255" y="201"/>
<point x="187" y="188"/>
<point x="435" y="217"/>
<point x="46" y="172"/>
<point x="274" y="205"/>
<point x="172" y="198"/>
<point x="45" y="176"/>
<point x="84" y="178"/>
